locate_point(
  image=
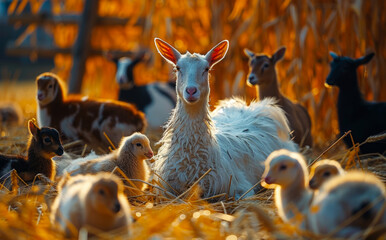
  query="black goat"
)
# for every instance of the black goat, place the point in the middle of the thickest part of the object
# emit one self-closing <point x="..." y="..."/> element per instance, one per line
<point x="363" y="118"/>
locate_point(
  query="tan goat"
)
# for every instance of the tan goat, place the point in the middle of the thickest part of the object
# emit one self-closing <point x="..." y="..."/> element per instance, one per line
<point x="262" y="72"/>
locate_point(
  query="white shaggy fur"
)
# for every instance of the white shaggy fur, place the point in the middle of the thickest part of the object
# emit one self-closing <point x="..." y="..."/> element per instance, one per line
<point x="94" y="202"/>
<point x="233" y="141"/>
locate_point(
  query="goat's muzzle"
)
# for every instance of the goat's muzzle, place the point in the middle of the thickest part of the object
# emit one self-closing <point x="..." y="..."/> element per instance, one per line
<point x="60" y="151"/>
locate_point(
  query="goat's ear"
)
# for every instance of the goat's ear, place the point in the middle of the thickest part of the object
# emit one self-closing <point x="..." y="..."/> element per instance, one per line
<point x="364" y="59"/>
<point x="334" y="55"/>
<point x="217" y="53"/>
<point x="33" y="129"/>
<point x="167" y="51"/>
<point x="249" y="53"/>
<point x="279" y="54"/>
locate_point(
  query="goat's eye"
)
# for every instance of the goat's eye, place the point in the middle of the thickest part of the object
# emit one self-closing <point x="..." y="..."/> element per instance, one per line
<point x="207" y="69"/>
<point x="47" y="140"/>
<point x="177" y="68"/>
<point x="326" y="174"/>
<point x="265" y="65"/>
<point x="50" y="86"/>
<point x="282" y="167"/>
<point x="101" y="192"/>
<point x="138" y="145"/>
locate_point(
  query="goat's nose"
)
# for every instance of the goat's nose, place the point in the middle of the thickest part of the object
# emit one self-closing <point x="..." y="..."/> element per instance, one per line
<point x="251" y="77"/>
<point x="191" y="90"/>
<point x="40" y="96"/>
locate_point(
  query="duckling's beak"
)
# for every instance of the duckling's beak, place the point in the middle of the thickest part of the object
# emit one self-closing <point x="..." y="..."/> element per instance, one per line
<point x="312" y="184"/>
<point x="117" y="207"/>
<point x="268" y="180"/>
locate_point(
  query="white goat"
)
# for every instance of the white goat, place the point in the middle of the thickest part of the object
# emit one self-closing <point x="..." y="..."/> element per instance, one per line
<point x="233" y="141"/>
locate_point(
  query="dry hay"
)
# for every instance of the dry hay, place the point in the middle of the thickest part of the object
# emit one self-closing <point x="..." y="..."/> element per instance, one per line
<point x="25" y="209"/>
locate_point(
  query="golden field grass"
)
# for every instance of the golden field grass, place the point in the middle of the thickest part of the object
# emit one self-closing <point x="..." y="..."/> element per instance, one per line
<point x="25" y="211"/>
<point x="308" y="28"/>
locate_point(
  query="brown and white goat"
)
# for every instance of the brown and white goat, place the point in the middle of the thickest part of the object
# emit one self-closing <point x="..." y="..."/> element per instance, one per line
<point x="262" y="72"/>
<point x="43" y="144"/>
<point x="84" y="118"/>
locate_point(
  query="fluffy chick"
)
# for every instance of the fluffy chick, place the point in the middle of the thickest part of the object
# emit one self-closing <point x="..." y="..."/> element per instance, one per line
<point x="129" y="157"/>
<point x="94" y="202"/>
<point x="287" y="173"/>
<point x="324" y="170"/>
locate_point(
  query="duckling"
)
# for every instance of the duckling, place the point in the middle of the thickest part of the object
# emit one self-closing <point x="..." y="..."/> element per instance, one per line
<point x="129" y="157"/>
<point x="287" y="173"/>
<point x="355" y="198"/>
<point x="338" y="200"/>
<point x="43" y="144"/>
<point x="94" y="202"/>
<point x="323" y="170"/>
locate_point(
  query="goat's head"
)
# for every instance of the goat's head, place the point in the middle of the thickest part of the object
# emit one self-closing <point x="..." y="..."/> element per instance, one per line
<point x="104" y="195"/>
<point x="47" y="139"/>
<point x="138" y="144"/>
<point x="48" y="88"/>
<point x="262" y="67"/>
<point x="125" y="67"/>
<point x="124" y="75"/>
<point x="343" y="67"/>
<point x="192" y="69"/>
<point x="282" y="168"/>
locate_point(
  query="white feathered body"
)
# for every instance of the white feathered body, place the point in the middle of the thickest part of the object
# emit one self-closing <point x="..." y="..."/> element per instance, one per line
<point x="343" y="196"/>
<point x="233" y="141"/>
<point x="72" y="208"/>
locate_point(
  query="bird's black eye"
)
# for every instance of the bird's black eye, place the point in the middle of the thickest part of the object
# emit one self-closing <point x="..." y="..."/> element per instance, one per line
<point x="177" y="68"/>
<point x="207" y="69"/>
<point x="282" y="167"/>
<point x="326" y="174"/>
<point x="265" y="65"/>
<point x="50" y="86"/>
<point x="138" y="145"/>
<point x="47" y="140"/>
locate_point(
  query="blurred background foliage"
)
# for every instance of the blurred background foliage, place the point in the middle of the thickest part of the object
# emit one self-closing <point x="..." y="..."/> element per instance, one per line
<point x="308" y="28"/>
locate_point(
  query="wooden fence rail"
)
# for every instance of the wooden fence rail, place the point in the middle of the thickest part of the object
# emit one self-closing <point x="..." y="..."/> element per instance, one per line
<point x="81" y="49"/>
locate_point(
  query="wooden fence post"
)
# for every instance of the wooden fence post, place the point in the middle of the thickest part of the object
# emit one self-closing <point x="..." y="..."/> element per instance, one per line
<point x="82" y="45"/>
